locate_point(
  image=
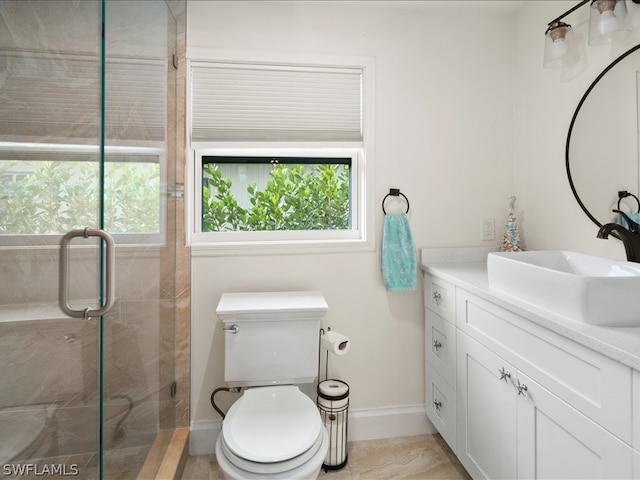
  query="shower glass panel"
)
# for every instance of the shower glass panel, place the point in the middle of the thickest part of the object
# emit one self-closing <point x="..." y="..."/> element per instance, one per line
<point x="87" y="140"/>
<point x="49" y="184"/>
<point x="139" y="133"/>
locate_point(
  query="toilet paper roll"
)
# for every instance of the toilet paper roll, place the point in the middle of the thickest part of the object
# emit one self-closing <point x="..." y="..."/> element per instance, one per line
<point x="335" y="342"/>
<point x="333" y="389"/>
<point x="335" y="456"/>
<point x="337" y="443"/>
<point x="329" y="404"/>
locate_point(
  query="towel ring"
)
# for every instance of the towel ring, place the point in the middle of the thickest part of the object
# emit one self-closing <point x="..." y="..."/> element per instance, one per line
<point x="395" y="192"/>
<point x="624" y="194"/>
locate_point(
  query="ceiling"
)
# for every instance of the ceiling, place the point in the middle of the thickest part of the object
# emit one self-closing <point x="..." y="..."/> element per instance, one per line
<point x="480" y="6"/>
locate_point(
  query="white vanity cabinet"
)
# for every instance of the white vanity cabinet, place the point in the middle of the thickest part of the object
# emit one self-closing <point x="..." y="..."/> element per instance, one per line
<point x="530" y="403"/>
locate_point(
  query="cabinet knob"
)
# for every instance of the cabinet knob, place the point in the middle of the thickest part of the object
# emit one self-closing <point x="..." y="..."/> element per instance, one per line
<point x="504" y="375"/>
<point x="437" y="404"/>
<point x="522" y="388"/>
<point x="437" y="345"/>
<point x="437" y="297"/>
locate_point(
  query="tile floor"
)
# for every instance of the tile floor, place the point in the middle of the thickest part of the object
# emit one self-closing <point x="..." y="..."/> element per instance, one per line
<point x="424" y="457"/>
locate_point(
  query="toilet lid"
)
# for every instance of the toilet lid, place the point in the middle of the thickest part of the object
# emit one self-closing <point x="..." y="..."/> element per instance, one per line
<point x="271" y="424"/>
<point x="275" y="468"/>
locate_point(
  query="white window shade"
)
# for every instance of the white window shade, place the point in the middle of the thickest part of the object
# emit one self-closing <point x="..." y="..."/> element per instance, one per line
<point x="238" y="102"/>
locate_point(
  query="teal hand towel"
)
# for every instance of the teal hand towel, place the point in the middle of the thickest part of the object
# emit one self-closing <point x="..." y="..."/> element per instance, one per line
<point x="398" y="258"/>
<point x="633" y="216"/>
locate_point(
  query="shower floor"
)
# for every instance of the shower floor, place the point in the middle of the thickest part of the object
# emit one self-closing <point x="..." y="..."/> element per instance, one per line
<point x="119" y="464"/>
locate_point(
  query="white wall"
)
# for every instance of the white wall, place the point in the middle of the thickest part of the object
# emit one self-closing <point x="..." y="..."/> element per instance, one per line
<point x="443" y="135"/>
<point x="545" y="104"/>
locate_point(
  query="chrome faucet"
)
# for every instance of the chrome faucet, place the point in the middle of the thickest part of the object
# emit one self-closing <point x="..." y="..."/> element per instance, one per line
<point x="630" y="236"/>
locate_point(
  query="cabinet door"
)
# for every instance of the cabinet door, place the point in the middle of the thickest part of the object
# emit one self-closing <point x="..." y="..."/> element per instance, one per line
<point x="487" y="404"/>
<point x="556" y="441"/>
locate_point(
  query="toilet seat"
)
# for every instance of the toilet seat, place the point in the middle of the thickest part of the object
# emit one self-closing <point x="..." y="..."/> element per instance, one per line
<point x="271" y="430"/>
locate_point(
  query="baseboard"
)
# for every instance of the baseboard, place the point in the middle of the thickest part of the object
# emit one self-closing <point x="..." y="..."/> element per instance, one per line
<point x="364" y="424"/>
<point x="388" y="422"/>
<point x="202" y="440"/>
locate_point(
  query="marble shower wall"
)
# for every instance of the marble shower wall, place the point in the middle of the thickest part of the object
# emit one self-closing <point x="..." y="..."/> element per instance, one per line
<point x="51" y="361"/>
<point x="182" y="251"/>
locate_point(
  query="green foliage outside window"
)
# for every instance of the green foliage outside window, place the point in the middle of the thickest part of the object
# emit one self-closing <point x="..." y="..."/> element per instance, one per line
<point x="294" y="198"/>
<point x="53" y="197"/>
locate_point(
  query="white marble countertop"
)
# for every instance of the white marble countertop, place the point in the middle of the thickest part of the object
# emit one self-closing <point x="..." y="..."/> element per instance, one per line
<point x="619" y="343"/>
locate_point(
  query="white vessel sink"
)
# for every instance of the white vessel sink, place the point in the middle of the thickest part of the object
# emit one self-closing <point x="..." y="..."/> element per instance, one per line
<point x="594" y="290"/>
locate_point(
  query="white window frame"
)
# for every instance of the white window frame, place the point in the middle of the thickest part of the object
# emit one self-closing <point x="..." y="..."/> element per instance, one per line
<point x="359" y="238"/>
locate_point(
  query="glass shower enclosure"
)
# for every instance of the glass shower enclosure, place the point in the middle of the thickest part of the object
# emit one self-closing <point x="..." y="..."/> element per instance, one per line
<point x="87" y="235"/>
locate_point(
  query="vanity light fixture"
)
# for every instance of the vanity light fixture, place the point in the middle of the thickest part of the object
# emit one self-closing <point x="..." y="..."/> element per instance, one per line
<point x="559" y="44"/>
<point x="606" y="24"/>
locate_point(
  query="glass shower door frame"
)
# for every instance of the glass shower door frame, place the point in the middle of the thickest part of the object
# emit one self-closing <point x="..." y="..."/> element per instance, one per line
<point x="87" y="144"/>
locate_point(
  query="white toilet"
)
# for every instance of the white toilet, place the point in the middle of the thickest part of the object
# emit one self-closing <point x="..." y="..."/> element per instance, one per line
<point x="271" y="344"/>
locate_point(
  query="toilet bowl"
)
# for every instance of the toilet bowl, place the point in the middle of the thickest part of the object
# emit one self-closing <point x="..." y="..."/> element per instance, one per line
<point x="272" y="432"/>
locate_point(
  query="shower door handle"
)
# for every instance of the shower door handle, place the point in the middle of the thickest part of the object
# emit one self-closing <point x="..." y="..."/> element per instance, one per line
<point x="109" y="277"/>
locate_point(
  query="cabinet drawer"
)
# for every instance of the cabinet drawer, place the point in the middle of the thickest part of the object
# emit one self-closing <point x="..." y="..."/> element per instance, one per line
<point x="596" y="385"/>
<point x="439" y="297"/>
<point x="440" y="406"/>
<point x="440" y="340"/>
<point x="636" y="413"/>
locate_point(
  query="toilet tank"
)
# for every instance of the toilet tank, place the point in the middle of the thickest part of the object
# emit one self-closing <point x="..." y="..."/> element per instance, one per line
<point x="276" y="339"/>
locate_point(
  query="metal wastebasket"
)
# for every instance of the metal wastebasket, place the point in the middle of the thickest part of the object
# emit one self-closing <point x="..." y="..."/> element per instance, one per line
<point x="333" y="403"/>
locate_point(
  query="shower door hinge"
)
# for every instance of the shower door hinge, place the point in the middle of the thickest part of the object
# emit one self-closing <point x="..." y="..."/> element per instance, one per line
<point x="174" y="389"/>
<point x="175" y="191"/>
<point x="175" y="62"/>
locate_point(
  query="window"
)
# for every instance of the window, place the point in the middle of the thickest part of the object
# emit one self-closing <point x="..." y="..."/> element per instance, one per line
<point x="276" y="193"/>
<point x="281" y="157"/>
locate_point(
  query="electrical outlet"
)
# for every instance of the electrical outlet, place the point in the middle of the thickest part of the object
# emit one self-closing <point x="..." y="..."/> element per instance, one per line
<point x="488" y="229"/>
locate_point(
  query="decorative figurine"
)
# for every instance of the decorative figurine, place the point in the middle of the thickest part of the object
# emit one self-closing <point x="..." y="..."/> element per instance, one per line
<point x="511" y="235"/>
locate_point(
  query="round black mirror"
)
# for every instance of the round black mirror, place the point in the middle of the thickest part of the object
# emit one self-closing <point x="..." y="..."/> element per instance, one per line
<point x="602" y="149"/>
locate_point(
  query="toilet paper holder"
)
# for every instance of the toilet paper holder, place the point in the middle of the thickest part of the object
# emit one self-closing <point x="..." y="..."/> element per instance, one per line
<point x="332" y="342"/>
<point x="333" y="401"/>
<point x="333" y="404"/>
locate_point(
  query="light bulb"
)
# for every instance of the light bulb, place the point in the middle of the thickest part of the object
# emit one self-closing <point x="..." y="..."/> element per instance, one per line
<point x="558" y="48"/>
<point x="558" y="44"/>
<point x="608" y="22"/>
